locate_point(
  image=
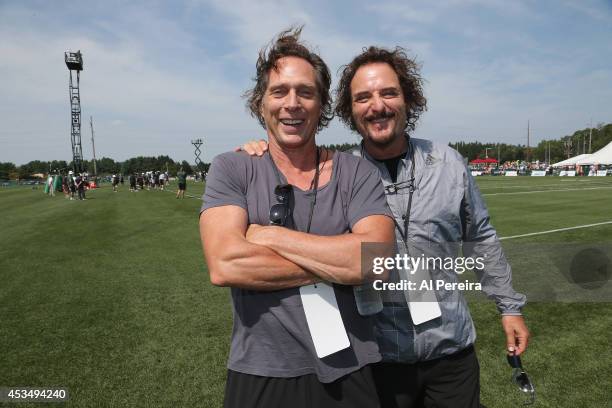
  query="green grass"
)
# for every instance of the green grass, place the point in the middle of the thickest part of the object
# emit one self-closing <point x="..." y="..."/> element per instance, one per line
<point x="110" y="297"/>
<point x="569" y="357"/>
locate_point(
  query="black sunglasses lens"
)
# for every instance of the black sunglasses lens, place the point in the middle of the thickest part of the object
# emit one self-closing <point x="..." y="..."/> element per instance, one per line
<point x="523" y="382"/>
<point x="278" y="214"/>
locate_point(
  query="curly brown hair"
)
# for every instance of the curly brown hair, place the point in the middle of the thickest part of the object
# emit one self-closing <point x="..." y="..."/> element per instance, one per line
<point x="407" y="71"/>
<point x="287" y="44"/>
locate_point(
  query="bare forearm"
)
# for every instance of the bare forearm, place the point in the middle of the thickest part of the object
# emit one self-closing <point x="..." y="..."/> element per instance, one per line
<point x="255" y="267"/>
<point x="331" y="258"/>
<point x="233" y="261"/>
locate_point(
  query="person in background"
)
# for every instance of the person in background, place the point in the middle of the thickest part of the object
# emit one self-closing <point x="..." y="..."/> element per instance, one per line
<point x="80" y="186"/>
<point x="115" y="182"/>
<point x="181" y="178"/>
<point x="65" y="187"/>
<point x="49" y="186"/>
<point x="162" y="180"/>
<point x="71" y="184"/>
<point x="132" y="182"/>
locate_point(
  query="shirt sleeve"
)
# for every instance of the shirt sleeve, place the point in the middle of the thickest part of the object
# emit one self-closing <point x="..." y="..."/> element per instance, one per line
<point x="226" y="182"/>
<point x="367" y="195"/>
<point x="480" y="240"/>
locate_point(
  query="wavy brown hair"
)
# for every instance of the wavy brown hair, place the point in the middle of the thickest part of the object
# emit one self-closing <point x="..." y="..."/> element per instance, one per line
<point x="408" y="73"/>
<point x="287" y="44"/>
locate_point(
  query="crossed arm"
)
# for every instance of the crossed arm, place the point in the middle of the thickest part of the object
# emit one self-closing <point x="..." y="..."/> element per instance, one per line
<point x="271" y="258"/>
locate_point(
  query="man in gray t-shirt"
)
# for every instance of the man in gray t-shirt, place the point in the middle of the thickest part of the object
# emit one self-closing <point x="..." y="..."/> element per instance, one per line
<point x="322" y="207"/>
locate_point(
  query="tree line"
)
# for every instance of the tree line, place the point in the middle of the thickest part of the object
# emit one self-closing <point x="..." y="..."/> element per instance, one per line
<point x="104" y="166"/>
<point x="556" y="149"/>
<point x="560" y="149"/>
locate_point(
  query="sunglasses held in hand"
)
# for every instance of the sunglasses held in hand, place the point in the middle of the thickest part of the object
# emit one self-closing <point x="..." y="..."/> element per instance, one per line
<point x="520" y="378"/>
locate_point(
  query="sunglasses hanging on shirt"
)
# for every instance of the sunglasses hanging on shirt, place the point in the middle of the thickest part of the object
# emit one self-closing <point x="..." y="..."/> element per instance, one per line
<point x="280" y="212"/>
<point x="399" y="186"/>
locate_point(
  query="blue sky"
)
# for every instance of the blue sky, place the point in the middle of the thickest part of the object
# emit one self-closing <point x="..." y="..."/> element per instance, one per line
<point x="158" y="74"/>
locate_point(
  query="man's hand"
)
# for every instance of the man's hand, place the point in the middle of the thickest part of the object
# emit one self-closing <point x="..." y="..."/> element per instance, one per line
<point x="517" y="334"/>
<point x="254" y="147"/>
<point x="254" y="234"/>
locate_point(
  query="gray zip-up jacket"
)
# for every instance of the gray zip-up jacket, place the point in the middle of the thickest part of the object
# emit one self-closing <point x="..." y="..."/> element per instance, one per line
<point x="447" y="215"/>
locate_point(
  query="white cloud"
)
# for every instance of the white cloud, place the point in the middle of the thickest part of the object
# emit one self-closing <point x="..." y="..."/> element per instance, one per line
<point x="155" y="78"/>
<point x="127" y="76"/>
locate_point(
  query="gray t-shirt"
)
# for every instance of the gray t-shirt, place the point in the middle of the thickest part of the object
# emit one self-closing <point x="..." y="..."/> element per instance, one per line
<point x="270" y="334"/>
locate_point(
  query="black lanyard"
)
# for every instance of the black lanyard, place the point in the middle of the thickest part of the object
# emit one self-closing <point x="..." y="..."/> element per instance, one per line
<point x="406" y="217"/>
<point x="393" y="188"/>
<point x="315" y="183"/>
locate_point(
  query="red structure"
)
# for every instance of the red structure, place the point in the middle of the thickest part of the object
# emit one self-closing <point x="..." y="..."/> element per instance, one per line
<point x="484" y="161"/>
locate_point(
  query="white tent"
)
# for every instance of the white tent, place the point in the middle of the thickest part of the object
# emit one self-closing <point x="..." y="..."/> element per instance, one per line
<point x="602" y="156"/>
<point x="572" y="160"/>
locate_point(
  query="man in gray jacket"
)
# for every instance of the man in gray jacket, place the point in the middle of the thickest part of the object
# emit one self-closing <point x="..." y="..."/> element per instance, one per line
<point x="427" y="347"/>
<point x="438" y="210"/>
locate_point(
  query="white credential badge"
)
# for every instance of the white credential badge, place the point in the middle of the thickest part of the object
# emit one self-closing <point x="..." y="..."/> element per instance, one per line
<point x="324" y="319"/>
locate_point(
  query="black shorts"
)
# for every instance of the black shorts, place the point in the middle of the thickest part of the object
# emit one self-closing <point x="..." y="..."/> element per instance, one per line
<point x="182" y="186"/>
<point x="448" y="382"/>
<point x="355" y="390"/>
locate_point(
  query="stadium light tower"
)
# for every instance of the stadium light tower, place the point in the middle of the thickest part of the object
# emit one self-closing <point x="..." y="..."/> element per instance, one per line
<point x="197" y="143"/>
<point x="74" y="62"/>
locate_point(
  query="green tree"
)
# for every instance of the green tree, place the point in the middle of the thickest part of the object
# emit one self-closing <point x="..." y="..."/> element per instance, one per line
<point x="186" y="167"/>
<point x="108" y="166"/>
<point x="6" y="169"/>
<point x="341" y="147"/>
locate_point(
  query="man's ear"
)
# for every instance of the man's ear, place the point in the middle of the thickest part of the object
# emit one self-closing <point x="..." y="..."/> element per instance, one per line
<point x="263" y="122"/>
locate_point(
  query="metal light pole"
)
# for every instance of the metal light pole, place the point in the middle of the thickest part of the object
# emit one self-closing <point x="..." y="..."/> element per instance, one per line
<point x="528" y="155"/>
<point x="93" y="146"/>
<point x="590" y="135"/>
<point x="568" y="147"/>
<point x="74" y="62"/>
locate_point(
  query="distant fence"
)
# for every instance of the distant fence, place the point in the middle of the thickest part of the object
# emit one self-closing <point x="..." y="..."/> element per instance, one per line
<point x="35" y="183"/>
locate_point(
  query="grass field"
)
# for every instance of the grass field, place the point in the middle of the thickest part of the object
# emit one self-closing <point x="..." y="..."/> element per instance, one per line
<point x="110" y="297"/>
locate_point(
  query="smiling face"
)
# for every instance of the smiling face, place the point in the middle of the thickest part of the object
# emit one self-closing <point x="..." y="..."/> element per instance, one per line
<point x="291" y="105"/>
<point x="378" y="107"/>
